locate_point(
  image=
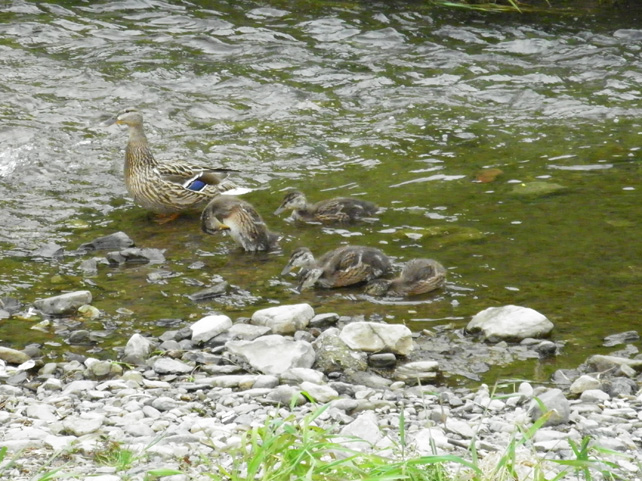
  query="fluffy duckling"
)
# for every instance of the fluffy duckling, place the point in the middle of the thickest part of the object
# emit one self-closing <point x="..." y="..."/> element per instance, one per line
<point x="340" y="267"/>
<point x="339" y="210"/>
<point x="418" y="276"/>
<point x="164" y="188"/>
<point x="241" y="220"/>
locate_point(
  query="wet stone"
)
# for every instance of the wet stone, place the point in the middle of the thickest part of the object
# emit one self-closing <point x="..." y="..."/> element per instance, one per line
<point x="217" y="290"/>
<point x="117" y="240"/>
<point x="383" y="361"/>
<point x="135" y="255"/>
<point x="64" y="303"/>
<point x="621" y="338"/>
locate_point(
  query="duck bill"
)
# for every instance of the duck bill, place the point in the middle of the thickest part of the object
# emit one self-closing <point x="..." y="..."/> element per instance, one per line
<point x="279" y="210"/>
<point x="110" y="121"/>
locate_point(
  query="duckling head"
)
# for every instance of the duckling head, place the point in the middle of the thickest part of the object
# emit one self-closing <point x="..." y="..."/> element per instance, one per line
<point x="301" y="257"/>
<point x="292" y="200"/>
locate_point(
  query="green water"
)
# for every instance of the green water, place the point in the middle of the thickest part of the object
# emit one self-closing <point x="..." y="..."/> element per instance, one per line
<point x="402" y="104"/>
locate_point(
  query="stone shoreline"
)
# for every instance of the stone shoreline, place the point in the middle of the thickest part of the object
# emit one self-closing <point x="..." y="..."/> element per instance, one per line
<point x="190" y="395"/>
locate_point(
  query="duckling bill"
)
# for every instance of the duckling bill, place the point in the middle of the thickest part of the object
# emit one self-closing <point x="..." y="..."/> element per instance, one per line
<point x="241" y="220"/>
<point x="340" y="267"/>
<point x="338" y="210"/>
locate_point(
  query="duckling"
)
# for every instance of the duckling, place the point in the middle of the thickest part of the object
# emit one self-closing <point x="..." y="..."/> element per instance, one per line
<point x="164" y="188"/>
<point x="340" y="267"/>
<point x="244" y="224"/>
<point x="338" y="210"/>
<point x="418" y="276"/>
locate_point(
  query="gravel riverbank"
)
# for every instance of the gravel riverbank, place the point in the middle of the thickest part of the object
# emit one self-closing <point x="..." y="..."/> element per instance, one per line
<point x="184" y="400"/>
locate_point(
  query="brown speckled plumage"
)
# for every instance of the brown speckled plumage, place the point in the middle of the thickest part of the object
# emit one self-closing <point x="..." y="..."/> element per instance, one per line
<point x="418" y="276"/>
<point x="340" y="267"/>
<point x="338" y="210"/>
<point x="243" y="222"/>
<point x="164" y="188"/>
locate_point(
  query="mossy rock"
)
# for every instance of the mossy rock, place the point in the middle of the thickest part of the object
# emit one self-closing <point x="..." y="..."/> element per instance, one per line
<point x="439" y="236"/>
<point x="537" y="189"/>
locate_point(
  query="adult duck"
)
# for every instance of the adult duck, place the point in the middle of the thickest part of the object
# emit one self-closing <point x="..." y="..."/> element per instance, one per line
<point x="164" y="188"/>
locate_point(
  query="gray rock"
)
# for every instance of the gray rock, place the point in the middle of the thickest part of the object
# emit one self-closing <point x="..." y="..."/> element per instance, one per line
<point x="376" y="337"/>
<point x="164" y="365"/>
<point x="208" y="327"/>
<point x="620" y="386"/>
<point x="386" y="360"/>
<point x="137" y="349"/>
<point x="135" y="255"/>
<point x="82" y="424"/>
<point x="621" y="338"/>
<point x="64" y="303"/>
<point x="75" y="387"/>
<point x="556" y="407"/>
<point x="365" y="427"/>
<point x="298" y="375"/>
<point x="117" y="240"/>
<point x="49" y="251"/>
<point x="334" y="355"/>
<point x="594" y="396"/>
<point x="284" y="319"/>
<point x="418" y="372"/>
<point x="320" y="393"/>
<point x="285" y="395"/>
<point x="13" y="356"/>
<point x="584" y="383"/>
<point x="273" y="354"/>
<point x="247" y="332"/>
<point x="510" y="323"/>
<point x="604" y="363"/>
<point x="165" y="403"/>
<point x="324" y="321"/>
<point x="217" y="290"/>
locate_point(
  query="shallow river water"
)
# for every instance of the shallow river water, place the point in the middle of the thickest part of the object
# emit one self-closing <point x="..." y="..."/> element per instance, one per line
<point x="505" y="146"/>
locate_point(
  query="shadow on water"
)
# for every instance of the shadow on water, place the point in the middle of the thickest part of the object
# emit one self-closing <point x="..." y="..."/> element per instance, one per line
<point x="506" y="147"/>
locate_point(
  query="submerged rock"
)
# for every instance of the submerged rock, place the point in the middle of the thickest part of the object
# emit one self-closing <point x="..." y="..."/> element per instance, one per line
<point x="135" y="255"/>
<point x="510" y="322"/>
<point x="64" y="303"/>
<point x="13" y="356"/>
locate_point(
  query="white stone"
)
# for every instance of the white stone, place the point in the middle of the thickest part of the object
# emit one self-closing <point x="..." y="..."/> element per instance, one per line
<point x="209" y="326"/>
<point x="365" y="427"/>
<point x="164" y="365"/>
<point x="594" y="396"/>
<point x="138" y="348"/>
<point x="510" y="322"/>
<point x="417" y="372"/>
<point x="462" y="428"/>
<point x="79" y="386"/>
<point x="427" y="439"/>
<point x="63" y="303"/>
<point x="319" y="392"/>
<point x="83" y="424"/>
<point x="556" y="406"/>
<point x="375" y="337"/>
<point x="284" y="319"/>
<point x="299" y="374"/>
<point x="584" y="383"/>
<point x="273" y="354"/>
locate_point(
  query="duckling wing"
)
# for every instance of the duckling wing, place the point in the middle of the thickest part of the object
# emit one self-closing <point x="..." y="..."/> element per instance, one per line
<point x="344" y="209"/>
